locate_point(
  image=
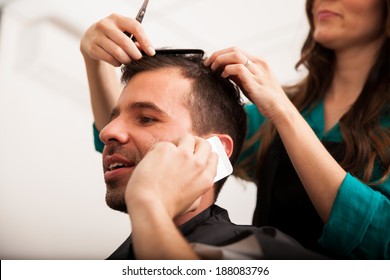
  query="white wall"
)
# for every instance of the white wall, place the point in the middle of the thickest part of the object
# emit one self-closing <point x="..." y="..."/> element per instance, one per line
<point x="51" y="185"/>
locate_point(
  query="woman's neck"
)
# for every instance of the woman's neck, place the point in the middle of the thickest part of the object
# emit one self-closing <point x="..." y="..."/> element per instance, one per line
<point x="351" y="72"/>
<point x="352" y="68"/>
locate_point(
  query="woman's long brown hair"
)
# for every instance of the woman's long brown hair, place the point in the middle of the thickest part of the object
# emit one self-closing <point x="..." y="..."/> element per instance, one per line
<point x="367" y="143"/>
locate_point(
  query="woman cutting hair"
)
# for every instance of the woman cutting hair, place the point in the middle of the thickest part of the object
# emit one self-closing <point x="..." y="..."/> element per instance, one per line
<point x="319" y="151"/>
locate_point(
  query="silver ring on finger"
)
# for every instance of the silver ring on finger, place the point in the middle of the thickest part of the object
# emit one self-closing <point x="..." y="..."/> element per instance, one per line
<point x="248" y="63"/>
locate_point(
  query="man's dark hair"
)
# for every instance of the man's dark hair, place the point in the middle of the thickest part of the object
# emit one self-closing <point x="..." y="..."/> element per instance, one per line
<point x="214" y="102"/>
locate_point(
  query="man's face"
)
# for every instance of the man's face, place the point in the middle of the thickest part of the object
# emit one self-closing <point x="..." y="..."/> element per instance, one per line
<point x="150" y="109"/>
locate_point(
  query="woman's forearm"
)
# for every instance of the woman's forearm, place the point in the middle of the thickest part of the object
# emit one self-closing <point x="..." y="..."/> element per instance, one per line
<point x="104" y="88"/>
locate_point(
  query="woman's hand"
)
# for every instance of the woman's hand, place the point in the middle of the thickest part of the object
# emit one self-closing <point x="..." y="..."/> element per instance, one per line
<point x="172" y="178"/>
<point x="106" y="41"/>
<point x="254" y="77"/>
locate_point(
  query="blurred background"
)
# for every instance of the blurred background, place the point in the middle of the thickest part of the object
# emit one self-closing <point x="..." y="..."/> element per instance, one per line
<point x="51" y="183"/>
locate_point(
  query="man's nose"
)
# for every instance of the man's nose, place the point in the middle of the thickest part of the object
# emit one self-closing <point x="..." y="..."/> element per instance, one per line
<point x="114" y="131"/>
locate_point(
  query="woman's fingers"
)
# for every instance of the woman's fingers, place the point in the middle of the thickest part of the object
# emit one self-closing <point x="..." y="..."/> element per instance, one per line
<point x="109" y="35"/>
<point x="235" y="55"/>
<point x="253" y="75"/>
<point x="116" y="51"/>
<point x="136" y="29"/>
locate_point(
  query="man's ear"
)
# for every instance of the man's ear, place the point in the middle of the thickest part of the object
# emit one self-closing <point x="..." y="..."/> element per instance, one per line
<point x="227" y="142"/>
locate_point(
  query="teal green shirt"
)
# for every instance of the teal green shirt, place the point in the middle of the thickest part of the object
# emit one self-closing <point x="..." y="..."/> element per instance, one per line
<point x="99" y="145"/>
<point x="359" y="223"/>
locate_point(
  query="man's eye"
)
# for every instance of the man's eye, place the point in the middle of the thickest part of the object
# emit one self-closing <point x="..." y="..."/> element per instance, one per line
<point x="147" y="120"/>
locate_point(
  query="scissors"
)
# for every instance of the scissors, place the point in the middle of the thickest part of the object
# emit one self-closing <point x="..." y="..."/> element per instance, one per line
<point x="139" y="18"/>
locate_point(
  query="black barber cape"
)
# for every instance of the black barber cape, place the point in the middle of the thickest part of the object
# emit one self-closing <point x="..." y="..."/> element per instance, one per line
<point x="211" y="227"/>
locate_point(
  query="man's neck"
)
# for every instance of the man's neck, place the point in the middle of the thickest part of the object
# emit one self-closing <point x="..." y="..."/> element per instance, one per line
<point x="206" y="201"/>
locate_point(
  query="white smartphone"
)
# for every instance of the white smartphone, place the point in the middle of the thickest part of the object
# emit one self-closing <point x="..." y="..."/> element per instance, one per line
<point x="224" y="167"/>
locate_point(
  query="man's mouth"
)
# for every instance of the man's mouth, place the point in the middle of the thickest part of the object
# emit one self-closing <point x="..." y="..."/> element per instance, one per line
<point x="114" y="162"/>
<point x="116" y="166"/>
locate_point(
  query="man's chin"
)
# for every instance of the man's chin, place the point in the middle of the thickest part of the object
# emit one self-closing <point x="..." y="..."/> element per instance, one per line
<point x="121" y="207"/>
<point x="115" y="199"/>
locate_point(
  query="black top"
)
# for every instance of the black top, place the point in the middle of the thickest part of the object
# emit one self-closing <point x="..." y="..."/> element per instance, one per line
<point x="282" y="201"/>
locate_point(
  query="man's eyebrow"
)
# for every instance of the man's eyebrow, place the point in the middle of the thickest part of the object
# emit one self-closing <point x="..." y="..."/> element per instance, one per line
<point x="145" y="105"/>
<point x="138" y="105"/>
